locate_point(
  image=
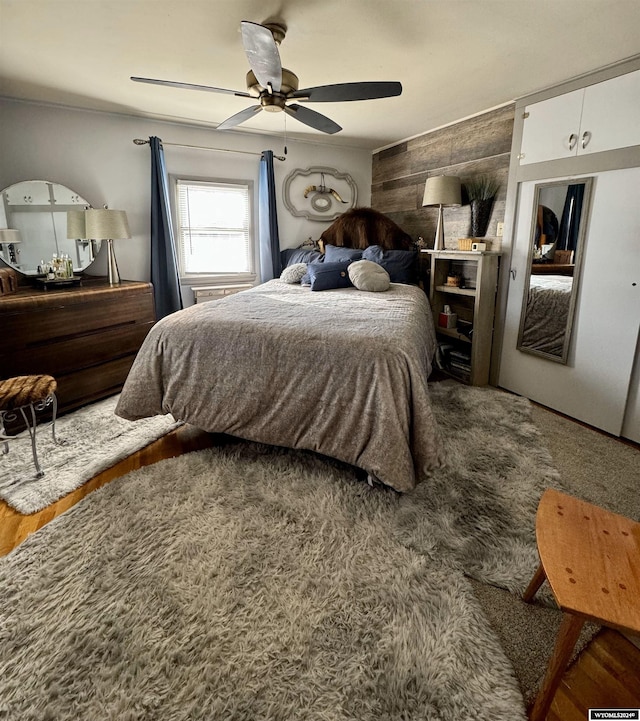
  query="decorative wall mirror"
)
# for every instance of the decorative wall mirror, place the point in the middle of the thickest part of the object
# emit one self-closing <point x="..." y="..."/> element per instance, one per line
<point x="36" y="213"/>
<point x="556" y="247"/>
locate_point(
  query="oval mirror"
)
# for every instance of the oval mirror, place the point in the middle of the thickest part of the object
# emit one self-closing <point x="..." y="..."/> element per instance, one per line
<point x="556" y="248"/>
<point x="33" y="214"/>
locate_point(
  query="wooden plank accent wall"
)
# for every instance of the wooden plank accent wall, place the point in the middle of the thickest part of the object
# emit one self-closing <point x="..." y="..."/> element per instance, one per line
<point x="477" y="146"/>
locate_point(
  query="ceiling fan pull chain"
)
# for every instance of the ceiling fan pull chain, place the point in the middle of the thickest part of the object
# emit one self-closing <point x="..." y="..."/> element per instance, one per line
<point x="285" y="133"/>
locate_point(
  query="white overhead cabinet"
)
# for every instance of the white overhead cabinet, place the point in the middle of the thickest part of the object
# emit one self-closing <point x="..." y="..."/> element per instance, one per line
<point x="599" y="117"/>
<point x="595" y="375"/>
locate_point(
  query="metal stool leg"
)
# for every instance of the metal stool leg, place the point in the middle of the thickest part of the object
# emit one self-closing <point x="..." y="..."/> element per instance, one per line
<point x="32" y="433"/>
<point x="53" y="421"/>
<point x="3" y="434"/>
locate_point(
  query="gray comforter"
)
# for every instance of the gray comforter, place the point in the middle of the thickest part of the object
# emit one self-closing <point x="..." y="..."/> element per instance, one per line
<point x="548" y="303"/>
<point x="340" y="372"/>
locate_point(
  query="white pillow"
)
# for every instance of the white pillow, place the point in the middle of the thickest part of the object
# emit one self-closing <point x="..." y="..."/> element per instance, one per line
<point x="293" y="273"/>
<point x="367" y="275"/>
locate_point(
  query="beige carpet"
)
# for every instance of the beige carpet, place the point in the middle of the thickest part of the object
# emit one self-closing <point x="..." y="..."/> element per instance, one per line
<point x="597" y="467"/>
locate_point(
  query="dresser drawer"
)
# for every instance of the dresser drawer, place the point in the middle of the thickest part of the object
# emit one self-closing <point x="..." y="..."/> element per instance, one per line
<point x="65" y="355"/>
<point x="86" y="386"/>
<point x="66" y="321"/>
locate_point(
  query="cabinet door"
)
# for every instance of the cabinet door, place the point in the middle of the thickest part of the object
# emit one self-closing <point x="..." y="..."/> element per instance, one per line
<point x="594" y="385"/>
<point x="547" y="130"/>
<point x="610" y="115"/>
<point x="631" y="426"/>
<point x="29" y="193"/>
<point x="65" y="196"/>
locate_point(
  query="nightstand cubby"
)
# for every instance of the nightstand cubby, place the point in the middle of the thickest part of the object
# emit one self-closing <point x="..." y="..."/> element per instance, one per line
<point x="465" y="347"/>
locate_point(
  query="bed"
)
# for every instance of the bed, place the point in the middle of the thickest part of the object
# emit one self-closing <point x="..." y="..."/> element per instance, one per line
<point x="342" y="372"/>
<point x="547" y="312"/>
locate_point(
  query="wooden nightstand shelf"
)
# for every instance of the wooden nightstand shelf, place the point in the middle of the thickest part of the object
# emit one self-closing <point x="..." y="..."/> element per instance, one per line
<point x="465" y="349"/>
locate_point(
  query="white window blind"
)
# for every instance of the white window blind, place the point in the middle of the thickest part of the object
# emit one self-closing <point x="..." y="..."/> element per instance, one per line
<point x="214" y="228"/>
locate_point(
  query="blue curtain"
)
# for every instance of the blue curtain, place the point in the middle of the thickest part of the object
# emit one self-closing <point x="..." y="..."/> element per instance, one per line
<point x="269" y="239"/>
<point x="164" y="266"/>
<point x="571" y="213"/>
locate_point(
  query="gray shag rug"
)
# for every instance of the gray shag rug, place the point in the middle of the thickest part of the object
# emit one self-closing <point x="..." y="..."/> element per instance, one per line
<point x="246" y="582"/>
<point x="90" y="440"/>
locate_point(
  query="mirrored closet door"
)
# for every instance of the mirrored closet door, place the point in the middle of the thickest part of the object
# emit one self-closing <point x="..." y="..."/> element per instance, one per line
<point x="579" y="358"/>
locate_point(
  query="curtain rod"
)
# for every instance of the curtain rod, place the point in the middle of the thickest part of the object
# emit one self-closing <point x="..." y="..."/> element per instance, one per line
<point x="140" y="141"/>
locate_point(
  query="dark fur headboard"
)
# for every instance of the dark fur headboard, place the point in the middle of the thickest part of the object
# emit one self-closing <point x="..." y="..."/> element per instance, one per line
<point x="361" y="227"/>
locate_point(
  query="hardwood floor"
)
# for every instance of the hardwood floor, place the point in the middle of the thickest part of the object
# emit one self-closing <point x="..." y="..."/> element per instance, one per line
<point x="607" y="673"/>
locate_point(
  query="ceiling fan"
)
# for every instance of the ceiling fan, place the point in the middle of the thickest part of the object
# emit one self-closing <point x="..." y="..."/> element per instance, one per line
<point x="274" y="86"/>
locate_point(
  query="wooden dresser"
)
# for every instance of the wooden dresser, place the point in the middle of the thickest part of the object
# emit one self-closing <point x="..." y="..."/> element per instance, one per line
<point x="85" y="336"/>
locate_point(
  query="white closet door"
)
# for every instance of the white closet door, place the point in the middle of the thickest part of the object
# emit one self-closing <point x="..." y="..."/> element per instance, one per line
<point x="594" y="385"/>
<point x="631" y="425"/>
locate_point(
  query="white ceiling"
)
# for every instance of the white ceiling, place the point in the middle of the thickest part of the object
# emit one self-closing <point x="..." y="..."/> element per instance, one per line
<point x="455" y="58"/>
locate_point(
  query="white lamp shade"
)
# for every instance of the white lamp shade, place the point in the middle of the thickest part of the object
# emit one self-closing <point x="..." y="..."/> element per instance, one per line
<point x="10" y="236"/>
<point x="106" y="224"/>
<point x="76" y="225"/>
<point x="442" y="190"/>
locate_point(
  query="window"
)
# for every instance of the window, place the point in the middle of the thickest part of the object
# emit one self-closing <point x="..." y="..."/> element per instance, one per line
<point x="214" y="229"/>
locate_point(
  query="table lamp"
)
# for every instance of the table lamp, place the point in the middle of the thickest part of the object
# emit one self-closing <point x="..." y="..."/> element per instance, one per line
<point x="9" y="237"/>
<point x="76" y="225"/>
<point x="441" y="190"/>
<point x="106" y="224"/>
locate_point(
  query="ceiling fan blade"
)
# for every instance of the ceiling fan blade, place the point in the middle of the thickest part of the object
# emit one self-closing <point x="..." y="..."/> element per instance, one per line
<point x="262" y="54"/>
<point x="348" y="91"/>
<point x="239" y="117"/>
<point x="191" y="86"/>
<point x="312" y="119"/>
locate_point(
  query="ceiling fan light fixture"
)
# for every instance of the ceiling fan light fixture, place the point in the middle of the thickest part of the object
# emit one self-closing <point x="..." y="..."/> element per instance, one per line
<point x="272" y="103"/>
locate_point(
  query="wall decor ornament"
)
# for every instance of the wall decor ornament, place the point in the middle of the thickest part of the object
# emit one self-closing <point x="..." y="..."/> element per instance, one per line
<point x="319" y="193"/>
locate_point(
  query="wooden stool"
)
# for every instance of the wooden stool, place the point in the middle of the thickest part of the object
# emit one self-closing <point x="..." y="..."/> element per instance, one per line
<point x="22" y="394"/>
<point x="591" y="558"/>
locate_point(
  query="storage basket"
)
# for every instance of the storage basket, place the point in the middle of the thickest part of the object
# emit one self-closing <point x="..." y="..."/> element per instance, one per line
<point x="466" y="243"/>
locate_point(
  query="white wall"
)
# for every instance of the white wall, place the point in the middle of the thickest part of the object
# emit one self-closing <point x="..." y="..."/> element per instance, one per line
<point x="93" y="154"/>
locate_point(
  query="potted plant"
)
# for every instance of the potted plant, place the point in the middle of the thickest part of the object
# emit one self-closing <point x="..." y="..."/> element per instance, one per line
<point x="481" y="191"/>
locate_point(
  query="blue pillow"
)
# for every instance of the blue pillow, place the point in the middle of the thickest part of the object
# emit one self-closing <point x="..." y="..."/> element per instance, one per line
<point x="325" y="276"/>
<point x="292" y="256"/>
<point x="338" y="254"/>
<point x="400" y="264"/>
